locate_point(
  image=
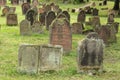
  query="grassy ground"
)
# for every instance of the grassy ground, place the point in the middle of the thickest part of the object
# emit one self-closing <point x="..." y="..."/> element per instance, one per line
<point x="10" y="40"/>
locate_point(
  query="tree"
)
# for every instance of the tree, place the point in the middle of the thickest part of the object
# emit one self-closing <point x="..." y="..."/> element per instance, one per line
<point x="116" y="5"/>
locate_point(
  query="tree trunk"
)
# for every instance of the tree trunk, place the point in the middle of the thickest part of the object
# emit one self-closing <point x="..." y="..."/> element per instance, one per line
<point x="116" y="5"/>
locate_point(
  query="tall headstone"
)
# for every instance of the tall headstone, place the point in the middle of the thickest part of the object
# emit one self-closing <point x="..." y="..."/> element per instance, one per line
<point x="25" y="28"/>
<point x="61" y="34"/>
<point x="77" y="28"/>
<point x="12" y="19"/>
<point x="90" y="54"/>
<point x="25" y="8"/>
<point x="49" y="18"/>
<point x="81" y="16"/>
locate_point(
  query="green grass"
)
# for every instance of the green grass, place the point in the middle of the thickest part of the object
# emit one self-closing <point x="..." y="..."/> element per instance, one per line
<point x="10" y="40"/>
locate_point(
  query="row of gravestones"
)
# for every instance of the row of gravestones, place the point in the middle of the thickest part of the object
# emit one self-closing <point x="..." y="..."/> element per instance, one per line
<point x="37" y="58"/>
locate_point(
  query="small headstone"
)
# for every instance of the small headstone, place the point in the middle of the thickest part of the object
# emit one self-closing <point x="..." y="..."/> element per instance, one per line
<point x="77" y="28"/>
<point x="25" y="8"/>
<point x="12" y="19"/>
<point x="14" y="2"/>
<point x="12" y="9"/>
<point x="67" y="15"/>
<point x="95" y="21"/>
<point x="37" y="58"/>
<point x="37" y="28"/>
<point x="31" y="16"/>
<point x="81" y="16"/>
<point x="49" y="18"/>
<point x="25" y="28"/>
<point x="42" y="18"/>
<point x="61" y="34"/>
<point x="35" y="2"/>
<point x="95" y="12"/>
<point x="90" y="54"/>
<point x="110" y="18"/>
<point x="5" y="11"/>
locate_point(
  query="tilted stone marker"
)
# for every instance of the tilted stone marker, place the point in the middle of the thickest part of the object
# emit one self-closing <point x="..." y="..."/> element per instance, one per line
<point x="49" y="18"/>
<point x="61" y="34"/>
<point x="37" y="28"/>
<point x="25" y="28"/>
<point x="77" y="28"/>
<point x="36" y="58"/>
<point x="81" y="16"/>
<point x="90" y="54"/>
<point x="25" y="7"/>
<point x="12" y="19"/>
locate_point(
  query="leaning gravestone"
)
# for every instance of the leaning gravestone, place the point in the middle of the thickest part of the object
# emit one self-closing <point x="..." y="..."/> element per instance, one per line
<point x="95" y="12"/>
<point x="77" y="28"/>
<point x="90" y="54"/>
<point x="36" y="58"/>
<point x="60" y="34"/>
<point x="81" y="16"/>
<point x="37" y="28"/>
<point x="31" y="16"/>
<point x="3" y="2"/>
<point x="12" y="19"/>
<point x="49" y="18"/>
<point x="42" y="18"/>
<point x="25" y="28"/>
<point x="67" y="15"/>
<point x="25" y="8"/>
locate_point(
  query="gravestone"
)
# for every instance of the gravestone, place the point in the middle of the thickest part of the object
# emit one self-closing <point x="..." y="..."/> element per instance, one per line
<point x="67" y="15"/>
<point x="35" y="2"/>
<point x="61" y="15"/>
<point x="37" y="28"/>
<point x="25" y="28"/>
<point x="25" y="8"/>
<point x="14" y="2"/>
<point x="60" y="34"/>
<point x="12" y="19"/>
<point x="12" y="9"/>
<point x="5" y="11"/>
<point x="110" y="18"/>
<point x="49" y="18"/>
<point x="116" y="26"/>
<point x="95" y="12"/>
<point x="77" y="28"/>
<point x="107" y="33"/>
<point x="37" y="58"/>
<point x="81" y="16"/>
<point x="55" y="8"/>
<point x="28" y="58"/>
<point x="95" y="21"/>
<point x="3" y="2"/>
<point x="42" y="18"/>
<point x="50" y="57"/>
<point x="90" y="54"/>
<point x="105" y="2"/>
<point x="31" y="16"/>
<point x="47" y="8"/>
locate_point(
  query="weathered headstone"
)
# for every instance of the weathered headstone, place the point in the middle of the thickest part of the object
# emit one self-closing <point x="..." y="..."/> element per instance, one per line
<point x="61" y="34"/>
<point x="35" y="2"/>
<point x="47" y="8"/>
<point x="81" y="16"/>
<point x="12" y="19"/>
<point x="28" y="58"/>
<point x="36" y="58"/>
<point x="90" y="54"/>
<point x="116" y="26"/>
<point x="49" y="18"/>
<point x="110" y="18"/>
<point x="95" y="12"/>
<point x="14" y="2"/>
<point x="77" y="28"/>
<point x="3" y="2"/>
<point x="25" y="28"/>
<point x="42" y="18"/>
<point x="95" y="21"/>
<point x="31" y="16"/>
<point x="37" y="28"/>
<point x="25" y="8"/>
<point x="67" y="15"/>
<point x="5" y="11"/>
